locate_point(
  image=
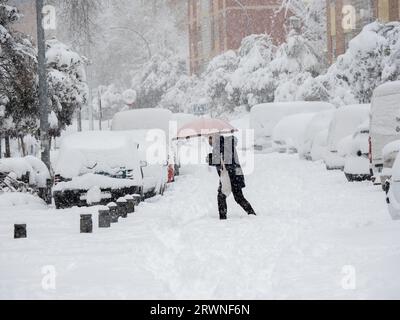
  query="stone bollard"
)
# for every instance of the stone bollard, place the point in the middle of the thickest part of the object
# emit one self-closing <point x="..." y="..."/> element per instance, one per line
<point x="20" y="231"/>
<point x="113" y="212"/>
<point x="122" y="208"/>
<point x="137" y="198"/>
<point x="130" y="204"/>
<point x="86" y="223"/>
<point x="104" y="217"/>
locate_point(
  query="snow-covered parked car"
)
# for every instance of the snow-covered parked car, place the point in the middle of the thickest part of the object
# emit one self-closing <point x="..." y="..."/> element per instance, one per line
<point x="392" y="188"/>
<point x="19" y="174"/>
<point x="357" y="165"/>
<point x="153" y="152"/>
<point x="288" y="134"/>
<point x="96" y="167"/>
<point x="389" y="155"/>
<point x="264" y="118"/>
<point x="319" y="123"/>
<point x="320" y="146"/>
<point x="152" y="119"/>
<point x="385" y="124"/>
<point x="345" y="122"/>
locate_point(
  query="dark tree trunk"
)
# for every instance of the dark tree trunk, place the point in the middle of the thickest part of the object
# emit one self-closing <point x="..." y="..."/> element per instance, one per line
<point x="23" y="149"/>
<point x="7" y="146"/>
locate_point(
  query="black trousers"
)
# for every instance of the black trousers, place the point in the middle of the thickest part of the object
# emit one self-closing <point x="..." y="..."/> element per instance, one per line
<point x="239" y="198"/>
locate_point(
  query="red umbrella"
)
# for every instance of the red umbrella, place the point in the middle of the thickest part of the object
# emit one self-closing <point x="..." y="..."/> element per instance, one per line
<point x="204" y="127"/>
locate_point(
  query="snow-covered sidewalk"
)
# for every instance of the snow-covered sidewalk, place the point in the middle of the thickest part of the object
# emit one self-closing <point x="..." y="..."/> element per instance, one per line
<point x="315" y="236"/>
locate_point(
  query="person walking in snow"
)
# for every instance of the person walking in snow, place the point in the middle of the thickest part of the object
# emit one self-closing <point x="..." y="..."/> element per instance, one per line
<point x="224" y="157"/>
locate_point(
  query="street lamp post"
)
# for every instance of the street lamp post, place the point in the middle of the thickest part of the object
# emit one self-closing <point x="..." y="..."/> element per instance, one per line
<point x="42" y="91"/>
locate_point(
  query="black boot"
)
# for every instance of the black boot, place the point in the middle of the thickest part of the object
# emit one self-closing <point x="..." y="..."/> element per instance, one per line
<point x="222" y="216"/>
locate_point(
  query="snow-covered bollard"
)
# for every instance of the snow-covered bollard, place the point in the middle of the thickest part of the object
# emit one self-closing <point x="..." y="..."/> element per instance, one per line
<point x="137" y="198"/>
<point x="20" y="231"/>
<point x="104" y="217"/>
<point x="113" y="212"/>
<point x="86" y="223"/>
<point x="93" y="196"/>
<point x="130" y="204"/>
<point x="122" y="207"/>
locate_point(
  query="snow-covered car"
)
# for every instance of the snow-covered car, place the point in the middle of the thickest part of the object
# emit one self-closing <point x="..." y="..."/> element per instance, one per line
<point x="29" y="172"/>
<point x="357" y="165"/>
<point x="264" y="118"/>
<point x="105" y="161"/>
<point x="389" y="155"/>
<point x="392" y="188"/>
<point x="319" y="146"/>
<point x="345" y="122"/>
<point x="153" y="152"/>
<point x="320" y="122"/>
<point x="180" y="119"/>
<point x="288" y="134"/>
<point x="150" y="119"/>
<point x="385" y="124"/>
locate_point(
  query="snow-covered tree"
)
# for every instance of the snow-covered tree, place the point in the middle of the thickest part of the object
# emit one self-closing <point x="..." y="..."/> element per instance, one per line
<point x="67" y="88"/>
<point x="372" y="58"/>
<point x="312" y="15"/>
<point x="252" y="82"/>
<point x="18" y="81"/>
<point x="156" y="77"/>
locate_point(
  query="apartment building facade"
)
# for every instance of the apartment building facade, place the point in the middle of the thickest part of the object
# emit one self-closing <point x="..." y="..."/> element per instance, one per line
<point x="346" y="18"/>
<point x="28" y="23"/>
<point x="216" y="26"/>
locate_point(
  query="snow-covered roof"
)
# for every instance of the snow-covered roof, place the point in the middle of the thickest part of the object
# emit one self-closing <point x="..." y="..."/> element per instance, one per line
<point x="183" y="118"/>
<point x="264" y="117"/>
<point x="142" y="119"/>
<point x="291" y="129"/>
<point x="388" y="88"/>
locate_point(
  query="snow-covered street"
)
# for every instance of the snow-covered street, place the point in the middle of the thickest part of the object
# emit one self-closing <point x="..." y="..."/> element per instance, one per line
<point x="315" y="236"/>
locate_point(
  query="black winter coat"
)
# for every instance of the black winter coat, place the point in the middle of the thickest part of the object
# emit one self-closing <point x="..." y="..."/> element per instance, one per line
<point x="225" y="149"/>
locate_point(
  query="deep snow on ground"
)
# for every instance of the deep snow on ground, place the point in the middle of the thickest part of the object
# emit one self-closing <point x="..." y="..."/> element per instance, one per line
<point x="311" y="224"/>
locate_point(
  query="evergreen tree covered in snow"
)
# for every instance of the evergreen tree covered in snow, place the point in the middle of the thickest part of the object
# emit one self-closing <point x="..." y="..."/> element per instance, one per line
<point x="18" y="80"/>
<point x="67" y="88"/>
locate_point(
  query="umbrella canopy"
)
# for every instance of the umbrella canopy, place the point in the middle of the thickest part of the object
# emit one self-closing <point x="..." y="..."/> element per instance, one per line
<point x="204" y="127"/>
